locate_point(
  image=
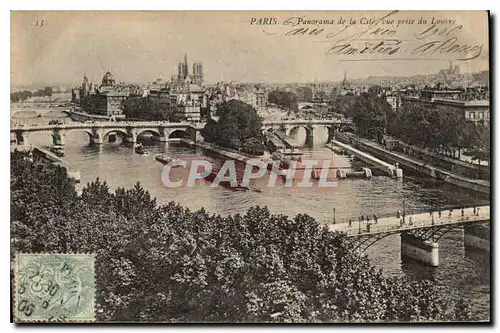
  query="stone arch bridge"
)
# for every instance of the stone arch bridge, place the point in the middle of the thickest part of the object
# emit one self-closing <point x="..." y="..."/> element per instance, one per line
<point x="99" y="131"/>
<point x="162" y="130"/>
<point x="290" y="127"/>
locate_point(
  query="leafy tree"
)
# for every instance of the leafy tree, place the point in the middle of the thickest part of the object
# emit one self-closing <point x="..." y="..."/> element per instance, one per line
<point x="284" y="99"/>
<point x="47" y="91"/>
<point x="370" y="113"/>
<point x="238" y="124"/>
<point x="167" y="263"/>
<point x="480" y="141"/>
<point x="20" y="96"/>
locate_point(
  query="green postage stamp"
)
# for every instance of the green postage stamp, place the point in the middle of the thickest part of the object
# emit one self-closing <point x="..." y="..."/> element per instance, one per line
<point x="51" y="287"/>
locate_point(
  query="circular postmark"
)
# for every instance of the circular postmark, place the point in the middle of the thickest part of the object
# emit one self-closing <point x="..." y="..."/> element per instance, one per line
<point x="55" y="287"/>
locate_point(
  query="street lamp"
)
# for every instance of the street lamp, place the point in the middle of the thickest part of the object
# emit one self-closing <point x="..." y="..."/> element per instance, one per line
<point x="404" y="212"/>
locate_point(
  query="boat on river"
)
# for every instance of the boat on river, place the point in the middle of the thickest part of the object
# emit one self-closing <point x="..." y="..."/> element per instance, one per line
<point x="58" y="150"/>
<point x="292" y="152"/>
<point x="167" y="159"/>
<point x="139" y="149"/>
<point x="235" y="185"/>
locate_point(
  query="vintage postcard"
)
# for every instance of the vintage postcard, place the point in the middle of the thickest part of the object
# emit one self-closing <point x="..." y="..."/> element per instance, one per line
<point x="250" y="167"/>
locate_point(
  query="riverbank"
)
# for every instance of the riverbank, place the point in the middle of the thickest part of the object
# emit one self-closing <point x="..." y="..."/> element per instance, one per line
<point x="56" y="161"/>
<point x="223" y="152"/>
<point x="423" y="167"/>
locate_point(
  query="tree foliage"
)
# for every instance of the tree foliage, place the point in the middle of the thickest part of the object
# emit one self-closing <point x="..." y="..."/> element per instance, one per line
<point x="284" y="99"/>
<point x="439" y="128"/>
<point x="167" y="263"/>
<point x="23" y="95"/>
<point x="147" y="109"/>
<point x="238" y="125"/>
<point x="369" y="113"/>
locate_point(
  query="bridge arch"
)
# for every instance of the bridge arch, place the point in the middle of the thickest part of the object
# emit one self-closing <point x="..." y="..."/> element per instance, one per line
<point x="432" y="233"/>
<point x="24" y="114"/>
<point x="179" y="133"/>
<point x="294" y="132"/>
<point x="89" y="133"/>
<point x="153" y="131"/>
<point x="347" y="128"/>
<point x="115" y="130"/>
<point x="324" y="133"/>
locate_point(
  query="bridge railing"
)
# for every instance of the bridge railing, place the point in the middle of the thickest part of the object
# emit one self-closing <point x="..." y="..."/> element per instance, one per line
<point x="368" y="228"/>
<point x="41" y="127"/>
<point x="308" y="121"/>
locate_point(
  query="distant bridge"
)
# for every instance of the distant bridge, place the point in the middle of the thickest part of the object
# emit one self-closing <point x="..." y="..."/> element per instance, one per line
<point x="420" y="232"/>
<point x="38" y="111"/>
<point x="290" y="127"/>
<point x="98" y="131"/>
<point x="160" y="130"/>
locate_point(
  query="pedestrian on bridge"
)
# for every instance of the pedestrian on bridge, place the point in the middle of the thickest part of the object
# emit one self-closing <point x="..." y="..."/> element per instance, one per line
<point x="439" y="214"/>
<point x="375" y="218"/>
<point x="474" y="210"/>
<point x="462" y="211"/>
<point x="399" y="214"/>
<point x="350" y="223"/>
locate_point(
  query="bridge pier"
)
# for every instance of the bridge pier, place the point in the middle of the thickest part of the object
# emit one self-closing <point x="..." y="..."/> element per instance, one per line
<point x="162" y="138"/>
<point x="130" y="138"/>
<point x="96" y="140"/>
<point x="198" y="137"/>
<point x="398" y="173"/>
<point x="477" y="236"/>
<point x="419" y="249"/>
<point x="58" y="137"/>
<point x="22" y="138"/>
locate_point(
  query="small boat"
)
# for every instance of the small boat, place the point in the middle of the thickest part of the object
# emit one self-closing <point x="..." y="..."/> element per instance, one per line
<point x="139" y="149"/>
<point x="58" y="150"/>
<point x="211" y="177"/>
<point x="291" y="152"/>
<point x="166" y="159"/>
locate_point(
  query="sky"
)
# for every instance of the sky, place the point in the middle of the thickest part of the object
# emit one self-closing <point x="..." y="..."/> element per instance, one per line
<point x="138" y="47"/>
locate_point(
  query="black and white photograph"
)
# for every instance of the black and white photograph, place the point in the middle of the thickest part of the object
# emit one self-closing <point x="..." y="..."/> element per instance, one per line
<point x="249" y="167"/>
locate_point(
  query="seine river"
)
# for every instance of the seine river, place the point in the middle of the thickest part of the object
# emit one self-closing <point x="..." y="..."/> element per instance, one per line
<point x="461" y="273"/>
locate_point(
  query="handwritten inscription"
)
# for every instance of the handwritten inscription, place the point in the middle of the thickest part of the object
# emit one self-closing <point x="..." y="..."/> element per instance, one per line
<point x="54" y="287"/>
<point x="385" y="36"/>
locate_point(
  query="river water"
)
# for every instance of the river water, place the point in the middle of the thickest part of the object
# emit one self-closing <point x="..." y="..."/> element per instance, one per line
<point x="461" y="273"/>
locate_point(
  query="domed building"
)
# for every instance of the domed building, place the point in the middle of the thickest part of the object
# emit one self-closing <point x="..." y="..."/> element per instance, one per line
<point x="104" y="100"/>
<point x="108" y="79"/>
